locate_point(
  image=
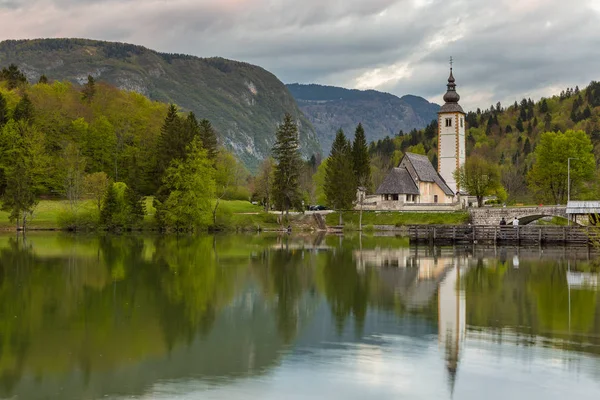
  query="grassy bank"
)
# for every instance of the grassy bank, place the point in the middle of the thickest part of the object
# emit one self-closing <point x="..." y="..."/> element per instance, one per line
<point x="371" y="218"/>
<point x="51" y="215"/>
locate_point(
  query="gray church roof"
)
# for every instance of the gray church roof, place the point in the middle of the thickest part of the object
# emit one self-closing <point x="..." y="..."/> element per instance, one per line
<point x="426" y="172"/>
<point x="398" y="181"/>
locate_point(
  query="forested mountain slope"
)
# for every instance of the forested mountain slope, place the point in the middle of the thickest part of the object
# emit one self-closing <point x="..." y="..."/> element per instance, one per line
<point x="381" y="114"/>
<point x="244" y="102"/>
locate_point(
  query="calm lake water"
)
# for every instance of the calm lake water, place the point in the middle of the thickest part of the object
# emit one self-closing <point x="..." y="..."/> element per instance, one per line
<point x="269" y="317"/>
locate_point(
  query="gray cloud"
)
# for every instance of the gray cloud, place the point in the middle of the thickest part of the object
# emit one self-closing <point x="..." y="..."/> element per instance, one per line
<point x="504" y="50"/>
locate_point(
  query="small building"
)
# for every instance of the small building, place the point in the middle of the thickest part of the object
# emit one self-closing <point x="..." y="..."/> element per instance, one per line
<point x="414" y="181"/>
<point x="584" y="212"/>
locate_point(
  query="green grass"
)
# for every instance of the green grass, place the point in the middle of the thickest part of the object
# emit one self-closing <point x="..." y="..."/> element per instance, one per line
<point x="399" y="218"/>
<point x="48" y="213"/>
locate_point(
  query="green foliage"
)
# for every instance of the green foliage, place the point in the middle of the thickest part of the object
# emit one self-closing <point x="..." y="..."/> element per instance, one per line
<point x="24" y="110"/>
<point x="286" y="193"/>
<point x="479" y="178"/>
<point x="361" y="160"/>
<point x="13" y="76"/>
<point x="23" y="165"/>
<point x="89" y="89"/>
<point x="191" y="187"/>
<point x="3" y="111"/>
<point x="209" y="138"/>
<point x="340" y="181"/>
<point x="263" y="183"/>
<point x="548" y="176"/>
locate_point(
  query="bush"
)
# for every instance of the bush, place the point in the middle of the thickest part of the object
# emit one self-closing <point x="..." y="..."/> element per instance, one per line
<point x="77" y="221"/>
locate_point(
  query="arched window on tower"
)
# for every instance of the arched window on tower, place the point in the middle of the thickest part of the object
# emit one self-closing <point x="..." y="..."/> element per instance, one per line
<point x="448" y="122"/>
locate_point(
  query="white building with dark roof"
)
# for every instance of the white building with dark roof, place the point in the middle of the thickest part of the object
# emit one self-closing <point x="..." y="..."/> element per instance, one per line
<point x="415" y="182"/>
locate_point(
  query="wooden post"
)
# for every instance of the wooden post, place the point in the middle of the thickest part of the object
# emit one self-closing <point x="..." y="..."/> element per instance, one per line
<point x="518" y="234"/>
<point x="454" y="234"/>
<point x="540" y="235"/>
<point x="495" y="234"/>
<point x="564" y="235"/>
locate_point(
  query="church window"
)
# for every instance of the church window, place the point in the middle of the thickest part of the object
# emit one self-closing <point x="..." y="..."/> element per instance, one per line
<point x="461" y="122"/>
<point x="448" y="121"/>
<point x="435" y="198"/>
<point x="395" y="197"/>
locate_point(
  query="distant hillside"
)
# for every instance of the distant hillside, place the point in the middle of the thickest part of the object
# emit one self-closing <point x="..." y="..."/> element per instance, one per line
<point x="382" y="114"/>
<point x="244" y="102"/>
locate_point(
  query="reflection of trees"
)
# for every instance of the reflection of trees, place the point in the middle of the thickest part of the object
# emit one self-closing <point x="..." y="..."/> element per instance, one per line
<point x="346" y="289"/>
<point x="285" y="277"/>
<point x="97" y="304"/>
<point x="533" y="299"/>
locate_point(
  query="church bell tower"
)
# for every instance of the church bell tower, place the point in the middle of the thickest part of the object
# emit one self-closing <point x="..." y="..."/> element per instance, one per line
<point x="451" y="135"/>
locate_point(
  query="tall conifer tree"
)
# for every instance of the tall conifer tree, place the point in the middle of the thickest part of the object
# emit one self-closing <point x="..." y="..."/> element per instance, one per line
<point x="3" y="111"/>
<point x="340" y="182"/>
<point x="208" y="136"/>
<point x="286" y="191"/>
<point x="361" y="159"/>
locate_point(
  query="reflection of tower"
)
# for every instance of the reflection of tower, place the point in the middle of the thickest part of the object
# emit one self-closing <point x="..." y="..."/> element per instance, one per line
<point x="451" y="315"/>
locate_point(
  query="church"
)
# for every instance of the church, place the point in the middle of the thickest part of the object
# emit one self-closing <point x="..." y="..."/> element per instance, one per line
<point x="415" y="181"/>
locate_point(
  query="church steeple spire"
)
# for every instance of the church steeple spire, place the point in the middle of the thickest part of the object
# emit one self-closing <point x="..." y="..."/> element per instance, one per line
<point x="451" y="96"/>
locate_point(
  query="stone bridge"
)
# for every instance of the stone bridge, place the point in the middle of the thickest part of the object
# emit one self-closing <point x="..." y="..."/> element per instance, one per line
<point x="525" y="215"/>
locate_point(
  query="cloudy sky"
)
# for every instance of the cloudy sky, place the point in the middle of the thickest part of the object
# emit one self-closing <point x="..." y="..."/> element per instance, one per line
<point x="503" y="50"/>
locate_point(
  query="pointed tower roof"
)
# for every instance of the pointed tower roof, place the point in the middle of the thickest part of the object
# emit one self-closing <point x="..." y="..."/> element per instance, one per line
<point x="451" y="97"/>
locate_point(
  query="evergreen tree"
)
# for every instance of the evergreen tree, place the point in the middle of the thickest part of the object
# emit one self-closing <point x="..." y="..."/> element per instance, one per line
<point x="136" y="207"/>
<point x="286" y="193"/>
<point x="208" y="136"/>
<point x="172" y="141"/>
<point x="43" y="80"/>
<point x="13" y="76"/>
<point x="89" y="89"/>
<point x="361" y="159"/>
<point x="3" y="111"/>
<point x="543" y="106"/>
<point x="527" y="147"/>
<point x="110" y="206"/>
<point x="519" y="124"/>
<point x="340" y="186"/>
<point x="23" y="110"/>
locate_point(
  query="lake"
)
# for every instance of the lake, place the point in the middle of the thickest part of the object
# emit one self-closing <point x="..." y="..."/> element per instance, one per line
<point x="294" y="317"/>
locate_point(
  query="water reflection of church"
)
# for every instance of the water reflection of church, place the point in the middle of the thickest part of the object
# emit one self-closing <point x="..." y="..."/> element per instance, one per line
<point x="416" y="275"/>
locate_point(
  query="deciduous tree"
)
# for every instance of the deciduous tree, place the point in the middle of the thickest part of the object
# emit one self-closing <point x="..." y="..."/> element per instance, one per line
<point x="548" y="176"/>
<point x="479" y="178"/>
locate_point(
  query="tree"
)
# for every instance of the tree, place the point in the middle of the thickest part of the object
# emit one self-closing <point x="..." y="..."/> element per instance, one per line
<point x="264" y="183"/>
<point x="340" y="182"/>
<point x="73" y="170"/>
<point x="548" y="176"/>
<point x="479" y="178"/>
<point x="3" y="111"/>
<point x="543" y="106"/>
<point x="228" y="174"/>
<point x="89" y="89"/>
<point x="286" y="193"/>
<point x="191" y="187"/>
<point x="24" y="110"/>
<point x="110" y="206"/>
<point x="96" y="185"/>
<point x="13" y="76"/>
<point x="209" y="139"/>
<point x="43" y="80"/>
<point x="361" y="159"/>
<point x="24" y="164"/>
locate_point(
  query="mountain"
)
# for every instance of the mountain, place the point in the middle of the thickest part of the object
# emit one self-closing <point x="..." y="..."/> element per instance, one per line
<point x="382" y="114"/>
<point x="244" y="102"/>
